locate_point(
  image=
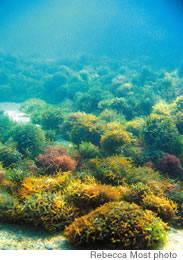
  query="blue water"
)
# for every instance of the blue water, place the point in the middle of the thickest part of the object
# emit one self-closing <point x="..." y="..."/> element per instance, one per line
<point x="116" y="28"/>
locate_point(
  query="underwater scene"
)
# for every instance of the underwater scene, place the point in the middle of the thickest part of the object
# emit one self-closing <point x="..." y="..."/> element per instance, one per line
<point x="91" y="124"/>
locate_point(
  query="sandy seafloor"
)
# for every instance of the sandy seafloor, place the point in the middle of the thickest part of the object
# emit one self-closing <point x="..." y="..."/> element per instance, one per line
<point x="13" y="111"/>
<point x="16" y="237"/>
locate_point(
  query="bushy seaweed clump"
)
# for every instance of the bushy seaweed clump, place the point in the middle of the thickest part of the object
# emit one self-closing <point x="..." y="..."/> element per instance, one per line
<point x="33" y="105"/>
<point x="135" y="126"/>
<point x="39" y="201"/>
<point x="119" y="170"/>
<point x="5" y="126"/>
<point x="160" y="132"/>
<point x="114" y="138"/>
<point x="152" y="198"/>
<point x="29" y="139"/>
<point x="8" y="206"/>
<point x="170" y="164"/>
<point x="9" y="156"/>
<point x="42" y="184"/>
<point x="87" y="150"/>
<point x="112" y="170"/>
<point x="87" y="128"/>
<point x="50" y="118"/>
<point x="48" y="210"/>
<point x="89" y="194"/>
<point x="56" y="158"/>
<point x="117" y="225"/>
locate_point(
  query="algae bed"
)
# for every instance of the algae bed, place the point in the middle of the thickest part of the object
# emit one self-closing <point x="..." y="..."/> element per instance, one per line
<point x="91" y="125"/>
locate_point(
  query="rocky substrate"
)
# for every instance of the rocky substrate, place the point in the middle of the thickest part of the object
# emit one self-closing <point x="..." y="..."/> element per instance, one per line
<point x="15" y="237"/>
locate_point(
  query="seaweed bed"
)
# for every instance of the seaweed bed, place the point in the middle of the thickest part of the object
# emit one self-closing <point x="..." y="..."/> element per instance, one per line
<point x="91" y="153"/>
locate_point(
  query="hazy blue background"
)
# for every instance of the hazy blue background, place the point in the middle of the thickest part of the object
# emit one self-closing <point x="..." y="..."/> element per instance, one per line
<point x="117" y="28"/>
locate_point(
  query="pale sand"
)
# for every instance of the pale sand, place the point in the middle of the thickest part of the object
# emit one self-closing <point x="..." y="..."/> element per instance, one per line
<point x="13" y="111"/>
